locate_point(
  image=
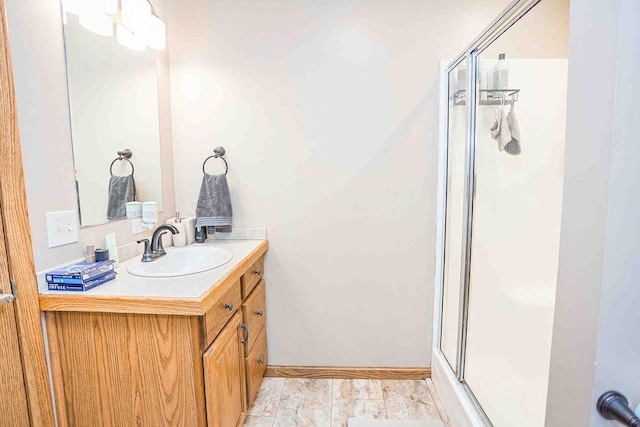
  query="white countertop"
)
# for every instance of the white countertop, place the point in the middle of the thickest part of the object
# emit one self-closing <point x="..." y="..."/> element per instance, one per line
<point x="190" y="286"/>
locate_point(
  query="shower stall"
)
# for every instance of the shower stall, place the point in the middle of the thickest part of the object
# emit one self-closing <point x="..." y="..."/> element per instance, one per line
<point x="502" y="162"/>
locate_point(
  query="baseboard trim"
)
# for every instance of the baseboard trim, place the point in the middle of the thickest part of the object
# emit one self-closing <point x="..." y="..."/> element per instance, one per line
<point x="348" y="372"/>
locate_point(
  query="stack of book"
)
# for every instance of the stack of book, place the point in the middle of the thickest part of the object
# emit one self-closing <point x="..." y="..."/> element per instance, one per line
<point x="82" y="276"/>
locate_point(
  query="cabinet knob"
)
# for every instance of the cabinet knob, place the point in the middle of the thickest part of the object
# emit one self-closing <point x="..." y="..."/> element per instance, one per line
<point x="257" y="272"/>
<point x="259" y="313"/>
<point x="229" y="306"/>
<point x="261" y="360"/>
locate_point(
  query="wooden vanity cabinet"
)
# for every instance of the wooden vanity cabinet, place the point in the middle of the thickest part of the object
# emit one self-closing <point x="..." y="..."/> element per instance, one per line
<point x="224" y="377"/>
<point x="255" y="350"/>
<point x="115" y="369"/>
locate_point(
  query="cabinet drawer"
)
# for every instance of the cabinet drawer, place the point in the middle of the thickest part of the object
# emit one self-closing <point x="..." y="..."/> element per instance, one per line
<point x="252" y="277"/>
<point x="254" y="314"/>
<point x="221" y="312"/>
<point x="256" y="363"/>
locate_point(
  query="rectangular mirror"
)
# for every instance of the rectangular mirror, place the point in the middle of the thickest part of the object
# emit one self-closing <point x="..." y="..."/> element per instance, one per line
<point x="113" y="102"/>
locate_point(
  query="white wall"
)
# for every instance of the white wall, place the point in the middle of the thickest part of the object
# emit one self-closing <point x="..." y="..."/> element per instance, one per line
<point x="595" y="346"/>
<point x="329" y="114"/>
<point x="35" y="36"/>
<point x="618" y="351"/>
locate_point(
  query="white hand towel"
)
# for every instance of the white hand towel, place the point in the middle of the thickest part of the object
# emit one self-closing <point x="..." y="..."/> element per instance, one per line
<point x="500" y="129"/>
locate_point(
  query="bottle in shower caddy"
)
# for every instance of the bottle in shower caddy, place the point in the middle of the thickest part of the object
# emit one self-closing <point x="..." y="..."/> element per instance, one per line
<point x="461" y="78"/>
<point x="483" y="76"/>
<point x="501" y="73"/>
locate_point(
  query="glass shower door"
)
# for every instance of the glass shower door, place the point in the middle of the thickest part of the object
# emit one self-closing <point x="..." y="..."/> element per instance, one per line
<point x="455" y="200"/>
<point x="519" y="157"/>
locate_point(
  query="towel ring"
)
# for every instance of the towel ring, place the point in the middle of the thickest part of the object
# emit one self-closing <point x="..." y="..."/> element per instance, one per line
<point x="219" y="152"/>
<point x="122" y="155"/>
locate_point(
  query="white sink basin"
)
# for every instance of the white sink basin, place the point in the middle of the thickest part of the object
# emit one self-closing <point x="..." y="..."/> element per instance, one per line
<point x="182" y="261"/>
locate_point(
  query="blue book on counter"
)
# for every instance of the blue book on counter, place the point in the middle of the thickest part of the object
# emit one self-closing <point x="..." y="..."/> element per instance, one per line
<point x="84" y="286"/>
<point x="80" y="272"/>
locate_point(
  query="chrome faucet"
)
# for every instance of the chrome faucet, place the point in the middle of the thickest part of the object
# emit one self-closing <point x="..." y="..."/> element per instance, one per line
<point x="155" y="250"/>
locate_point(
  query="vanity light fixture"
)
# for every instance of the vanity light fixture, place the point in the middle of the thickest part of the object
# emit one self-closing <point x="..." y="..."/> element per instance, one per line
<point x="156" y="33"/>
<point x="73" y="6"/>
<point x="96" y="22"/>
<point x="107" y="6"/>
<point x="137" y="23"/>
<point x="127" y="39"/>
<point x="135" y="14"/>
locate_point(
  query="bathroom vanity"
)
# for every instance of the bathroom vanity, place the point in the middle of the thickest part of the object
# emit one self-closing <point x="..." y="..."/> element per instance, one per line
<point x="187" y="350"/>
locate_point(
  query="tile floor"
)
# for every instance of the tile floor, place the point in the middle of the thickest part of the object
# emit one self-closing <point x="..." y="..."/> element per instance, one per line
<point x="294" y="402"/>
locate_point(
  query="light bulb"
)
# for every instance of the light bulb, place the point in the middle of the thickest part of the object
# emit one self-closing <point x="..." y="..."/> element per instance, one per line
<point x="108" y="6"/>
<point x="135" y="15"/>
<point x="156" y="37"/>
<point x="97" y="22"/>
<point x="73" y="6"/>
<point x="128" y="39"/>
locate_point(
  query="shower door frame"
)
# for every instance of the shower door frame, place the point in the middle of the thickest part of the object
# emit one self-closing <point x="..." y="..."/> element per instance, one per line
<point x="507" y="18"/>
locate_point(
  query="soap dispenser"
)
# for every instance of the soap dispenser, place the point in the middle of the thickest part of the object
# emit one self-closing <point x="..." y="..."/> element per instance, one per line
<point x="179" y="239"/>
<point x="501" y="73"/>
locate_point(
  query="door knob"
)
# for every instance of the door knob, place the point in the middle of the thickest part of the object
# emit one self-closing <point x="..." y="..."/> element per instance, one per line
<point x="614" y="406"/>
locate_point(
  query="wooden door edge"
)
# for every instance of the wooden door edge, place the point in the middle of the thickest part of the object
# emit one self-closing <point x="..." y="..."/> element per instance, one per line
<point x="18" y="242"/>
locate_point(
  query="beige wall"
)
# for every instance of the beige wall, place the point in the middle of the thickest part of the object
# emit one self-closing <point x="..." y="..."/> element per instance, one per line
<point x="329" y="114"/>
<point x="541" y="33"/>
<point x="36" y="40"/>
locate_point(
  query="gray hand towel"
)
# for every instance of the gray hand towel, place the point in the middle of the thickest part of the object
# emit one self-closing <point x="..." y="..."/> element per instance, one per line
<point x="513" y="146"/>
<point x="122" y="189"/>
<point x="213" y="209"/>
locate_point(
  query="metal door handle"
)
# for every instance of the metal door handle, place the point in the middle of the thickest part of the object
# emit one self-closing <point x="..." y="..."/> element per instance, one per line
<point x="246" y="331"/>
<point x="6" y="299"/>
<point x="614" y="406"/>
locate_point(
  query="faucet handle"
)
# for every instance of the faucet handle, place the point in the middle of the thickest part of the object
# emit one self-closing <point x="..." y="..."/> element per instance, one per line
<point x="146" y="255"/>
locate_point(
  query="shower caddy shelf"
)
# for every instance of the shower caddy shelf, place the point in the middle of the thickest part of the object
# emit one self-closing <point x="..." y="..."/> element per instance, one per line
<point x="487" y="96"/>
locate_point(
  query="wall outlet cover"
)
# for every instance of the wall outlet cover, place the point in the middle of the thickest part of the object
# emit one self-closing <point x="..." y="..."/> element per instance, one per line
<point x="136" y="226"/>
<point x="62" y="228"/>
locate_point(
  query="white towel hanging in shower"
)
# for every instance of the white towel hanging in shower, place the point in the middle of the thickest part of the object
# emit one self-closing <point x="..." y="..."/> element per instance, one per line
<point x="500" y="129"/>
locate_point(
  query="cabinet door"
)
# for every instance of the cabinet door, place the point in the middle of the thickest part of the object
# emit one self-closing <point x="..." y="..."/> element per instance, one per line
<point x="12" y="390"/>
<point x="225" y="377"/>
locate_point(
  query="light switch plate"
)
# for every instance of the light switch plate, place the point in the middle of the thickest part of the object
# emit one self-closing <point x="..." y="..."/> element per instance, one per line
<point x="62" y="228"/>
